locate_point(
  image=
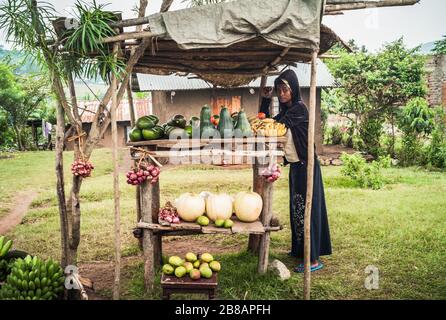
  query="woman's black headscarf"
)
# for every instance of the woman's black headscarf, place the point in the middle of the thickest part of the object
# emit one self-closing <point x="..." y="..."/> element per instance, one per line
<point x="295" y="117"/>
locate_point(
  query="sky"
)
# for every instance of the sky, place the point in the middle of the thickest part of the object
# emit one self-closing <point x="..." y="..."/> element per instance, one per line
<point x="418" y="24"/>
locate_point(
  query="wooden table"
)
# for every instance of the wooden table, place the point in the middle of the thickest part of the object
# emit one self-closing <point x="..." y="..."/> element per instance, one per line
<point x="171" y="284"/>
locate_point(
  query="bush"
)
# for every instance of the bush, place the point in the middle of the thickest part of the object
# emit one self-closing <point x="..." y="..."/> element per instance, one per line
<point x="335" y="135"/>
<point x="363" y="174"/>
<point x="436" y="152"/>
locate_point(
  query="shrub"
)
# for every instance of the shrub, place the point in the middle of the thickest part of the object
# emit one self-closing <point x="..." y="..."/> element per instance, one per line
<point x="436" y="152"/>
<point x="336" y="135"/>
<point x="363" y="174"/>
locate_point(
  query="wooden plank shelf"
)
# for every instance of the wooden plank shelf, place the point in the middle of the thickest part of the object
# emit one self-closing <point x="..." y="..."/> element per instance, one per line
<point x="202" y="142"/>
<point x="255" y="227"/>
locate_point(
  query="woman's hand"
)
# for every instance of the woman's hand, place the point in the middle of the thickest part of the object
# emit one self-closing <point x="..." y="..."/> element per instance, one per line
<point x="267" y="92"/>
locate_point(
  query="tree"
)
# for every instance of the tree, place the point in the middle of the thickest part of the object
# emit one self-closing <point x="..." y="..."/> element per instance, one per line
<point x="440" y="46"/>
<point x="374" y="85"/>
<point x="20" y="96"/>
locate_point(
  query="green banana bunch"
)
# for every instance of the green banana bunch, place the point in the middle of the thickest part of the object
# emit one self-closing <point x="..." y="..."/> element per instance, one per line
<point x="33" y="279"/>
<point x="4" y="246"/>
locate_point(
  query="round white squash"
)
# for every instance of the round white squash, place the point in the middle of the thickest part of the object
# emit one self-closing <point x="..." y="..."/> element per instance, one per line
<point x="248" y="206"/>
<point x="190" y="206"/>
<point x="219" y="206"/>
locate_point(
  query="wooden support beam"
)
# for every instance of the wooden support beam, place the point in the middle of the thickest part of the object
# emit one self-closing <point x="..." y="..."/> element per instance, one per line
<point x="115" y="156"/>
<point x="338" y="6"/>
<point x="129" y="35"/>
<point x="148" y="237"/>
<point x="310" y="175"/>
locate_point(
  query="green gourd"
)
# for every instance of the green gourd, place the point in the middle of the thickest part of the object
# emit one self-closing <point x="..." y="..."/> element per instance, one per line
<point x="225" y="126"/>
<point x="243" y="127"/>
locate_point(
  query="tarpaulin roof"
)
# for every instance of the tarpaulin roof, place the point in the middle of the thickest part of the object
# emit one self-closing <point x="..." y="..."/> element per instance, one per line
<point x="231" y="44"/>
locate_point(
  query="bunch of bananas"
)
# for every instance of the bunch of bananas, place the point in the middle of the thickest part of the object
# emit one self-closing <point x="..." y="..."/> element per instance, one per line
<point x="33" y="279"/>
<point x="267" y="127"/>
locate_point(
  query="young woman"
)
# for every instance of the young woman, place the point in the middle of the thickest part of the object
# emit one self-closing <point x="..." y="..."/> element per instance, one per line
<point x="294" y="114"/>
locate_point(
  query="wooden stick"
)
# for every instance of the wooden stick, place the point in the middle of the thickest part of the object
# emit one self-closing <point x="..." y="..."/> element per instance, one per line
<point x="131" y="105"/>
<point x="355" y="5"/>
<point x="129" y="35"/>
<point x="310" y="176"/>
<point x="276" y="60"/>
<point x="117" y="280"/>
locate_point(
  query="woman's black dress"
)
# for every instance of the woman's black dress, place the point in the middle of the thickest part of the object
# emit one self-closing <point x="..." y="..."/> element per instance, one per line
<point x="296" y="119"/>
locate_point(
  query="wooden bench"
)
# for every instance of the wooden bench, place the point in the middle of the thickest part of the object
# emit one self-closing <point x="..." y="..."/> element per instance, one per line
<point x="171" y="284"/>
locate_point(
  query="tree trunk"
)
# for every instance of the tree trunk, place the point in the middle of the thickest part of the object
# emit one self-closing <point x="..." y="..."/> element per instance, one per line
<point x="61" y="186"/>
<point x="18" y="137"/>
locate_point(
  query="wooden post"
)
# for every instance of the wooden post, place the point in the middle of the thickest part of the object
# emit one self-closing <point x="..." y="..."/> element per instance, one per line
<point x="114" y="127"/>
<point x="59" y="145"/>
<point x="267" y="213"/>
<point x="257" y="181"/>
<point x="157" y="241"/>
<point x="310" y="175"/>
<point x="148" y="237"/>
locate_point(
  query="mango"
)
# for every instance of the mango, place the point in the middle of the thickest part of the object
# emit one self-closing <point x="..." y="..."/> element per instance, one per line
<point x="180" y="272"/>
<point x="215" y="266"/>
<point x="206" y="273"/>
<point x="175" y="261"/>
<point x="168" y="269"/>
<point x="191" y="257"/>
<point x="206" y="257"/>
<point x="195" y="274"/>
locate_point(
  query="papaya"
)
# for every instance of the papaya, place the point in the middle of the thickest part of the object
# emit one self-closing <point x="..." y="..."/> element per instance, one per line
<point x="206" y="128"/>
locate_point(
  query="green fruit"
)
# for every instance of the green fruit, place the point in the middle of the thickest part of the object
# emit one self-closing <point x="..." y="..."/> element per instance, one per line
<point x="203" y="220"/>
<point x="188" y="130"/>
<point x="150" y="134"/>
<point x="44" y="282"/>
<point x="175" y="261"/>
<point x="180" y="272"/>
<point x="135" y="135"/>
<point x="219" y="223"/>
<point x="206" y="273"/>
<point x="2" y="240"/>
<point x="206" y="128"/>
<point x="147" y="122"/>
<point x="206" y="257"/>
<point x="195" y="274"/>
<point x="194" y="121"/>
<point x="31" y="285"/>
<point x="228" y="223"/>
<point x="191" y="257"/>
<point x="203" y="265"/>
<point x="215" y="266"/>
<point x="37" y="282"/>
<point x="47" y="296"/>
<point x="168" y="269"/>
<point x="243" y="127"/>
<point x="5" y="248"/>
<point x="188" y="265"/>
<point x="177" y="121"/>
<point x="24" y="285"/>
<point x="197" y="264"/>
<point x="225" y="125"/>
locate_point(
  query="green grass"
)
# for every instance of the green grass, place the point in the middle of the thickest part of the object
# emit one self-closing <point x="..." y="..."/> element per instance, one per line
<point x="400" y="229"/>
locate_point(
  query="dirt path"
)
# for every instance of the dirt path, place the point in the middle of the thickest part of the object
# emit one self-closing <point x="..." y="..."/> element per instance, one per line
<point x="20" y="206"/>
